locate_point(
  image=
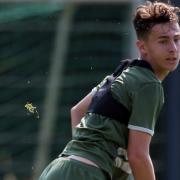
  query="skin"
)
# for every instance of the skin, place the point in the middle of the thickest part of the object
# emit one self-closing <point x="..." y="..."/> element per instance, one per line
<point x="79" y="110"/>
<point x="162" y="50"/>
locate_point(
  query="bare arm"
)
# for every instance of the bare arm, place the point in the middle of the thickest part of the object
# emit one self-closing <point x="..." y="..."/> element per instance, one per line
<point x="138" y="154"/>
<point x="79" y="110"/>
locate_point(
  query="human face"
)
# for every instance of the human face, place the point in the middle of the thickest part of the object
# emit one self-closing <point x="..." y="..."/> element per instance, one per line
<point x="162" y="48"/>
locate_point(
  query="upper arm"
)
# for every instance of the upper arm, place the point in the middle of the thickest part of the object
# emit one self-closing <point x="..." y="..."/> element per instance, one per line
<point x="83" y="104"/>
<point x="79" y="110"/>
<point x="138" y="143"/>
<point x="138" y="155"/>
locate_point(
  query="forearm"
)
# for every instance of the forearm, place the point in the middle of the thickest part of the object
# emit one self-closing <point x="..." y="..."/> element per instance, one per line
<point x="143" y="168"/>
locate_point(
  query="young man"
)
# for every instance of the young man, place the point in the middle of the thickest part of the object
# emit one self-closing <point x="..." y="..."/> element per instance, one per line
<point x="118" y="117"/>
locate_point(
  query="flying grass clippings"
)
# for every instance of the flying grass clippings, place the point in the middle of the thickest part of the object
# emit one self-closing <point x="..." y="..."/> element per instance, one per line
<point x="31" y="109"/>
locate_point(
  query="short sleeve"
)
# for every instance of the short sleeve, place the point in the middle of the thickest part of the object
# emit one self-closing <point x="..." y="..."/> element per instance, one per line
<point x="146" y="106"/>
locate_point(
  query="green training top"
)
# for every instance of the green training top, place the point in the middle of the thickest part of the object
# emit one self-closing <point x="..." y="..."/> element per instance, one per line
<point x="98" y="138"/>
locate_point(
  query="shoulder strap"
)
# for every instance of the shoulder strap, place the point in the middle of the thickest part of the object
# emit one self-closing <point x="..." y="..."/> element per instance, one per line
<point x="124" y="64"/>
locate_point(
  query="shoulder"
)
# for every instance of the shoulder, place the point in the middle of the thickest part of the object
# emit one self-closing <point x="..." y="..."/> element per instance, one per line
<point x="138" y="80"/>
<point x="138" y="76"/>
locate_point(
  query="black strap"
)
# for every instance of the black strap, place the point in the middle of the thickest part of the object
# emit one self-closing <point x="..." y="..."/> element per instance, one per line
<point x="124" y="64"/>
<point x="104" y="104"/>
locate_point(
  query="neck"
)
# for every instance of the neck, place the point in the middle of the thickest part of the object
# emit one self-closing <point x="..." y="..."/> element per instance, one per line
<point x="159" y="73"/>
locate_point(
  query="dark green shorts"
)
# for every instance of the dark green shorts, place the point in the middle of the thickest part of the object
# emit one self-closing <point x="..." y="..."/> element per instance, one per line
<point x="69" y="169"/>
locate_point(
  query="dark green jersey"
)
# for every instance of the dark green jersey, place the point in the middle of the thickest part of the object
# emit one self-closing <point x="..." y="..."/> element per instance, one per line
<point x="141" y="93"/>
<point x="100" y="138"/>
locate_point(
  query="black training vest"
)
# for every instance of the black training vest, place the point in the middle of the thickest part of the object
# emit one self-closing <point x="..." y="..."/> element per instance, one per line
<point x="104" y="104"/>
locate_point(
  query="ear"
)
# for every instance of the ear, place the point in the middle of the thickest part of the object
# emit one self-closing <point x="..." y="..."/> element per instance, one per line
<point x="142" y="47"/>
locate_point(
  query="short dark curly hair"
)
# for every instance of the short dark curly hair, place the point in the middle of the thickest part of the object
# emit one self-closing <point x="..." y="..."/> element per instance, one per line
<point x="152" y="13"/>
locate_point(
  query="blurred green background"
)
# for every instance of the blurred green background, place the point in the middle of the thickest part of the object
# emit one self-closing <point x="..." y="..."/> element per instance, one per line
<point x="100" y="36"/>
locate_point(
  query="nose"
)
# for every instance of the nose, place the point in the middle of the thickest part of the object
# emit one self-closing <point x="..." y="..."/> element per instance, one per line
<point x="173" y="47"/>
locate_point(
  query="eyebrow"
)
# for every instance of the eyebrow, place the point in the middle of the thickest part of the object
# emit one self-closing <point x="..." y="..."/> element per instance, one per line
<point x="163" y="37"/>
<point x="166" y="37"/>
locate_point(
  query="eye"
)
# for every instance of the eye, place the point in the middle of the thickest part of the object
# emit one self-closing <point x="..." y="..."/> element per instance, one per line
<point x="177" y="40"/>
<point x="164" y="41"/>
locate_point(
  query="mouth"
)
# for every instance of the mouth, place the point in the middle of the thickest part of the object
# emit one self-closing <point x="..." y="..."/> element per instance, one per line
<point x="172" y="60"/>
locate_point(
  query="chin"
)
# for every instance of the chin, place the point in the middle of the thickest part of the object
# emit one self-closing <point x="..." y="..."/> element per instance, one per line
<point x="172" y="69"/>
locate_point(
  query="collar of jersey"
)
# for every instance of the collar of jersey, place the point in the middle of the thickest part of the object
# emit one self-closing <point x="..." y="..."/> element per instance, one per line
<point x="142" y="63"/>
